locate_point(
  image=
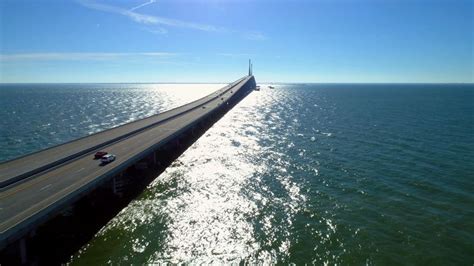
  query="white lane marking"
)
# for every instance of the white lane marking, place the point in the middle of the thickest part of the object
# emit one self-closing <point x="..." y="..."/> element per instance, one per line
<point x="45" y="187"/>
<point x="80" y="170"/>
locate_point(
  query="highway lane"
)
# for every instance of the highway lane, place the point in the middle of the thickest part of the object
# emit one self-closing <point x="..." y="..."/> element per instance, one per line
<point x="23" y="167"/>
<point x="26" y="202"/>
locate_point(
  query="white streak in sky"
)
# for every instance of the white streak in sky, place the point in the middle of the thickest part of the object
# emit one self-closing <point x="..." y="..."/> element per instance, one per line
<point x="158" y="30"/>
<point x="158" y="20"/>
<point x="142" y="5"/>
<point x="256" y="36"/>
<point x="147" y="19"/>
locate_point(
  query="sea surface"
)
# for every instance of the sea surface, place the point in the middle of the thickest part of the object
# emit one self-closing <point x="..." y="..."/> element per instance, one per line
<point x="303" y="173"/>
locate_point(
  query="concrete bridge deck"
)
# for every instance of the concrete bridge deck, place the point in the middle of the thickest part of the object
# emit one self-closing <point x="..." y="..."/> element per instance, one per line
<point x="37" y="185"/>
<point x="20" y="168"/>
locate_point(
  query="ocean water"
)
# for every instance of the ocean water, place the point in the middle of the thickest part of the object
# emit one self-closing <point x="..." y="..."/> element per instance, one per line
<point x="303" y="173"/>
<point x="38" y="116"/>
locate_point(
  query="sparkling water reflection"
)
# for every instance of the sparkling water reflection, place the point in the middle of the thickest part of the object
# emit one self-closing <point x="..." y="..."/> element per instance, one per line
<point x="218" y="201"/>
<point x="312" y="174"/>
<point x="37" y="116"/>
<point x="323" y="174"/>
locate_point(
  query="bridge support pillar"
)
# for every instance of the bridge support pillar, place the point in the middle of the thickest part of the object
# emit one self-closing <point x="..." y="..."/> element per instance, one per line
<point x="117" y="185"/>
<point x="23" y="253"/>
<point x="114" y="186"/>
<point x="68" y="211"/>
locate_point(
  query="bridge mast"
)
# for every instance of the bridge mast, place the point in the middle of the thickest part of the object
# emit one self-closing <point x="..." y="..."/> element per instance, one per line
<point x="250" y="68"/>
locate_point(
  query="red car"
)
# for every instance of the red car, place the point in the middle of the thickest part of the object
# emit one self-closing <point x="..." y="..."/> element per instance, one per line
<point x="99" y="154"/>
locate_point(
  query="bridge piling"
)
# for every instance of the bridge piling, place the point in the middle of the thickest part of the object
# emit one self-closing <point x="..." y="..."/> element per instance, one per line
<point x="23" y="251"/>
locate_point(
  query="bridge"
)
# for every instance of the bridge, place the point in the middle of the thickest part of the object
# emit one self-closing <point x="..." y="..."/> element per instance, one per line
<point x="35" y="187"/>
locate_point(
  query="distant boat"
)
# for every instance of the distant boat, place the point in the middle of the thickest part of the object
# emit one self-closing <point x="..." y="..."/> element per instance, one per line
<point x="271" y="87"/>
<point x="257" y="88"/>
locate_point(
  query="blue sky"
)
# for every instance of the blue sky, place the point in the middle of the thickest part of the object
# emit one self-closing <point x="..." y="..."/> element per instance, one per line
<point x="211" y="40"/>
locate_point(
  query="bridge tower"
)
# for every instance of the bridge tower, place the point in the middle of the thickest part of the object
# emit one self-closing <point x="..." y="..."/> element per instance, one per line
<point x="250" y="68"/>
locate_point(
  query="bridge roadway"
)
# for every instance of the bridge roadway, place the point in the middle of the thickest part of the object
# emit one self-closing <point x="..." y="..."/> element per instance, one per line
<point x="27" y="202"/>
<point x="26" y="166"/>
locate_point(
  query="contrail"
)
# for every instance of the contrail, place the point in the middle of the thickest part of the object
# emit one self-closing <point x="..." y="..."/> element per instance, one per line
<point x="142" y="5"/>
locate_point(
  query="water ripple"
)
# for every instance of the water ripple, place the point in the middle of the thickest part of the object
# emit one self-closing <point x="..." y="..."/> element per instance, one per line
<point x="321" y="174"/>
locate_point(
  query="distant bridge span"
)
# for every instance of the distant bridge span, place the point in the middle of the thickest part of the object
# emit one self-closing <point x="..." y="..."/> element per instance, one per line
<point x="37" y="186"/>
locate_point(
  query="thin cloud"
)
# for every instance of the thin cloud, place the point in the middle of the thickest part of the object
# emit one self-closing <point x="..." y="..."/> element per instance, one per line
<point x="158" y="30"/>
<point x="158" y="20"/>
<point x="147" y="19"/>
<point x="79" y="56"/>
<point x="142" y="5"/>
<point x="256" y="36"/>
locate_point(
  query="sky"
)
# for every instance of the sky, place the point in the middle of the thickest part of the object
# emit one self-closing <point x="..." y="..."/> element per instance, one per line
<point x="337" y="41"/>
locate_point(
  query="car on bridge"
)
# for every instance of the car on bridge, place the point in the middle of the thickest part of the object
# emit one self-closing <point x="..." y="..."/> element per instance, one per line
<point x="99" y="154"/>
<point x="107" y="158"/>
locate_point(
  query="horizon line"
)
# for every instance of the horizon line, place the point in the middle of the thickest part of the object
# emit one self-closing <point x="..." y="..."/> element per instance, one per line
<point x="262" y="82"/>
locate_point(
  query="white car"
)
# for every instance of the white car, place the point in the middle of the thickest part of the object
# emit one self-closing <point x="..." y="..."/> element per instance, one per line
<point x="107" y="158"/>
